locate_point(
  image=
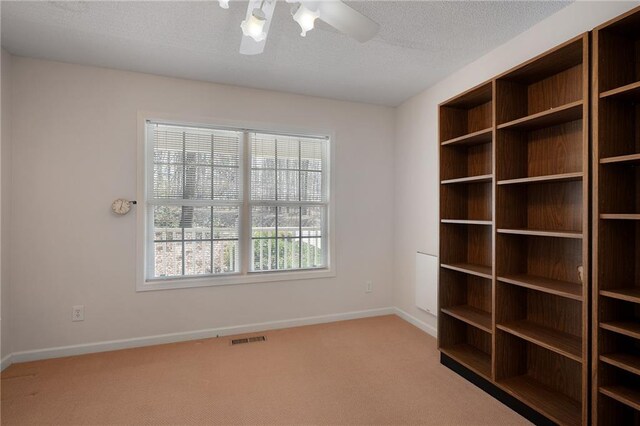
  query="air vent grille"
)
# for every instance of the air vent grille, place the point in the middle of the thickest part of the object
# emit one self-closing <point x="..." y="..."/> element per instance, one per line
<point x="248" y="340"/>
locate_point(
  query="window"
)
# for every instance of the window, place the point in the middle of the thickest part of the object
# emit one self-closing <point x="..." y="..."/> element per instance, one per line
<point x="224" y="202"/>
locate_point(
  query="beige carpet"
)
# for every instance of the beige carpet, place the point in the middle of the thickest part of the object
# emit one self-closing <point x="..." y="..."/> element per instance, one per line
<point x="370" y="371"/>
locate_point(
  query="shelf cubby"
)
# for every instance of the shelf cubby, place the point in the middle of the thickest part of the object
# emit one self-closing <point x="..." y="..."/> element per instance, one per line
<point x="552" y="207"/>
<point x="549" y="265"/>
<point x="614" y="412"/>
<point x="467" y="117"/>
<point x="620" y="351"/>
<point x="623" y="195"/>
<point x="621" y="386"/>
<point x="550" y="152"/>
<point x="620" y="316"/>
<point x="468" y="247"/>
<point x="547" y="86"/>
<point x="465" y="161"/>
<point x="467" y="298"/>
<point x="547" y="320"/>
<point x="623" y="138"/>
<point x="619" y="271"/>
<point x="527" y="377"/>
<point x="618" y="53"/>
<point x="470" y="201"/>
<point x="469" y="345"/>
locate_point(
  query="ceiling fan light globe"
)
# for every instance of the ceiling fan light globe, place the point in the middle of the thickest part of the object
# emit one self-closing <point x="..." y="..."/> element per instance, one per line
<point x="305" y="18"/>
<point x="254" y="26"/>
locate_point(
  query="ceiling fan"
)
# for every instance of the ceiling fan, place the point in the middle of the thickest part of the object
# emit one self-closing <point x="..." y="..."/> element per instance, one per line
<point x="257" y="22"/>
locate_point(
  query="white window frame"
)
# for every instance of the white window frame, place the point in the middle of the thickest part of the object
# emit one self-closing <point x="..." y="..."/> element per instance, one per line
<point x="244" y="276"/>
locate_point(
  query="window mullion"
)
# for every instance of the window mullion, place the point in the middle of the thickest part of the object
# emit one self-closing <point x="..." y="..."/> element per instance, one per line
<point x="184" y="187"/>
<point x="245" y="214"/>
<point x="299" y="208"/>
<point x="275" y="147"/>
<point x="211" y="208"/>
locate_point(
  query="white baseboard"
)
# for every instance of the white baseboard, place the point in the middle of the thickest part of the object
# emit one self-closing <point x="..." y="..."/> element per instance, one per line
<point x="6" y="361"/>
<point x="112" y="345"/>
<point x="429" y="329"/>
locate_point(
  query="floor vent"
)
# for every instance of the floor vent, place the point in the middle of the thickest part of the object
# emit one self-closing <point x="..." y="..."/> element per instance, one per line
<point x="248" y="340"/>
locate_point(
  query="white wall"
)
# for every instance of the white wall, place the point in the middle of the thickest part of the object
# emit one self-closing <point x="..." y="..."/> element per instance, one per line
<point x="74" y="151"/>
<point x="416" y="178"/>
<point x="5" y="179"/>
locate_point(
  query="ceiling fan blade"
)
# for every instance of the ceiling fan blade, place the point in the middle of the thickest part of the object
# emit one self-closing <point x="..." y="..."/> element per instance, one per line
<point x="249" y="46"/>
<point x="347" y="20"/>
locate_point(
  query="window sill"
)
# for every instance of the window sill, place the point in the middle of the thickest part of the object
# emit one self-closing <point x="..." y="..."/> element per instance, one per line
<point x="234" y="279"/>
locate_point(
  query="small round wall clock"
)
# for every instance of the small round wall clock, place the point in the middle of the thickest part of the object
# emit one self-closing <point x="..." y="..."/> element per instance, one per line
<point x="121" y="206"/>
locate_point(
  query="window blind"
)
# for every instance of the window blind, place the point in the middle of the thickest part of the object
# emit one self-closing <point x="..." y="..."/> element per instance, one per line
<point x="289" y="201"/>
<point x="195" y="203"/>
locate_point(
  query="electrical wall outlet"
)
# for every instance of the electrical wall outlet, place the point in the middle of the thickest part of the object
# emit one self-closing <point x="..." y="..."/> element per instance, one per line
<point x="368" y="286"/>
<point x="78" y="313"/>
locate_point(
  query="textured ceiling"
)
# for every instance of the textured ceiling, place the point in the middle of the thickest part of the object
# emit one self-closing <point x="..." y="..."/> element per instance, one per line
<point x="419" y="42"/>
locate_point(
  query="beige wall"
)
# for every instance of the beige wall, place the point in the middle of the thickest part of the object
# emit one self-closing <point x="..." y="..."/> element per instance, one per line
<point x="416" y="178"/>
<point x="74" y="151"/>
<point x="74" y="141"/>
<point x="5" y="179"/>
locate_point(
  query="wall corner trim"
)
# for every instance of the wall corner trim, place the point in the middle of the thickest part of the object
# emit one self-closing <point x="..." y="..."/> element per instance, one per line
<point x="6" y="361"/>
<point x="429" y="329"/>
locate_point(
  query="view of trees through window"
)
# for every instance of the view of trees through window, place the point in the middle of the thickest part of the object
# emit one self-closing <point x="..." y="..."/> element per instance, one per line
<point x="197" y="201"/>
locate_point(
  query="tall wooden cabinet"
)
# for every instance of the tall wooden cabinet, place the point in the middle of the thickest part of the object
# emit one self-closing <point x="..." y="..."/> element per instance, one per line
<point x="514" y="234"/>
<point x="466" y="229"/>
<point x="616" y="221"/>
<point x="542" y="232"/>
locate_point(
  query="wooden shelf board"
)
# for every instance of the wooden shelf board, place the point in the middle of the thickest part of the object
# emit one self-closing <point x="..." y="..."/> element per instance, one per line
<point x="541" y="233"/>
<point x="628" y="294"/>
<point x="471" y="357"/>
<point x="467" y="222"/>
<point x="552" y="117"/>
<point x="630" y="158"/>
<point x="628" y="328"/>
<point x="621" y="216"/>
<point x="628" y="92"/>
<point x="623" y="394"/>
<point x="547" y="285"/>
<point x="553" y="404"/>
<point x="557" y="341"/>
<point x="473" y="97"/>
<point x="469" y="268"/>
<point x="543" y="179"/>
<point x="475" y="138"/>
<point x="469" y="179"/>
<point x="628" y="362"/>
<point x="473" y="316"/>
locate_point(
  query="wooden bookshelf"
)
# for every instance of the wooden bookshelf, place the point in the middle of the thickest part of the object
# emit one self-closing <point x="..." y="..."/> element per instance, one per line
<point x="616" y="221"/>
<point x="465" y="324"/>
<point x="541" y="232"/>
